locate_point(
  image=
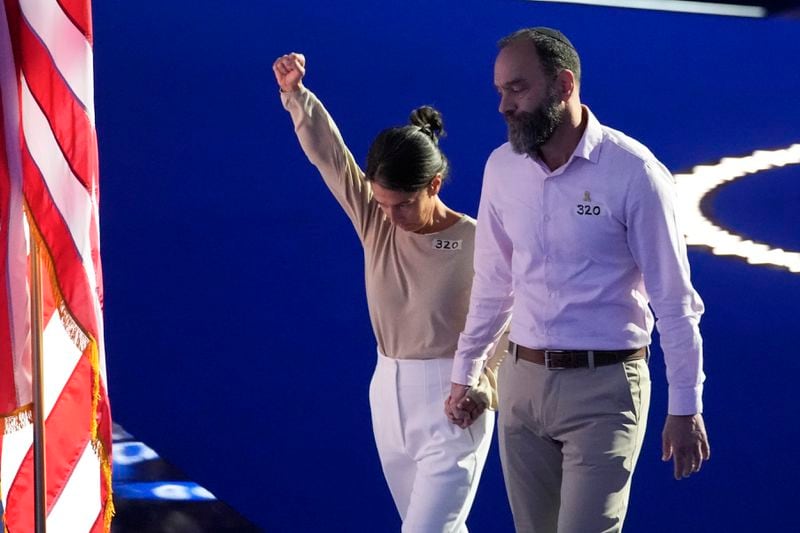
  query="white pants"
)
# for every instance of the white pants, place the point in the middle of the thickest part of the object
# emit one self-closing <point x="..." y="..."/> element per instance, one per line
<point x="432" y="466"/>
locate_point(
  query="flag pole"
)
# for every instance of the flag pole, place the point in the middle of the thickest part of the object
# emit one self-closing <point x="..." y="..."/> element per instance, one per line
<point x="38" y="389"/>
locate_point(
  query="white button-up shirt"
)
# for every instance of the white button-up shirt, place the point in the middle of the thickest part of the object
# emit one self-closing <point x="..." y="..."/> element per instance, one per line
<point x="578" y="253"/>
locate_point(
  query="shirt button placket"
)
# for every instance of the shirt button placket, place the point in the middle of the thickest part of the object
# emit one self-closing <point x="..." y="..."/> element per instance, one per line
<point x="548" y="262"/>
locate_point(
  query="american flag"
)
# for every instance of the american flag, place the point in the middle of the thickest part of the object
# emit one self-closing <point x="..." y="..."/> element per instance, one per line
<point x="49" y="196"/>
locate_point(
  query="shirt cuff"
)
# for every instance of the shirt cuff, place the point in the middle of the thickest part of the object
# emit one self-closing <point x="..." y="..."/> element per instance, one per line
<point x="466" y="371"/>
<point x="685" y="400"/>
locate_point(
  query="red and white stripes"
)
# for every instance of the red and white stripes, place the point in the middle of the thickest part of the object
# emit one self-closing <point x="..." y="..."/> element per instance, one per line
<point x="48" y="162"/>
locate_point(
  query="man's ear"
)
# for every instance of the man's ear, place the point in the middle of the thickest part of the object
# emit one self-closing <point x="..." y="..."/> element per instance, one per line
<point x="566" y="83"/>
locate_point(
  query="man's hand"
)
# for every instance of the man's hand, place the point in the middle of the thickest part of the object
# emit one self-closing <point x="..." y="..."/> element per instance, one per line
<point x="460" y="408"/>
<point x="289" y="70"/>
<point x="684" y="439"/>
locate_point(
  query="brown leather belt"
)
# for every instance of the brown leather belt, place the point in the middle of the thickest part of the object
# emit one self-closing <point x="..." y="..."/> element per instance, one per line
<point x="562" y="359"/>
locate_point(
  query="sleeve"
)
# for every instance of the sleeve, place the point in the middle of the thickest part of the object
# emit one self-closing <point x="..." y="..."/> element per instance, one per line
<point x="658" y="247"/>
<point x="486" y="390"/>
<point x="323" y="145"/>
<point x="492" y="297"/>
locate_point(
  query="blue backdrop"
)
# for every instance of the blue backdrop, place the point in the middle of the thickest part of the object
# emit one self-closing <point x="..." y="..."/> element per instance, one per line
<point x="238" y="341"/>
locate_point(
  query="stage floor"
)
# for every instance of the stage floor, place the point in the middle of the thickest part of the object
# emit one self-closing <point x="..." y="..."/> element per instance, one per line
<point x="152" y="496"/>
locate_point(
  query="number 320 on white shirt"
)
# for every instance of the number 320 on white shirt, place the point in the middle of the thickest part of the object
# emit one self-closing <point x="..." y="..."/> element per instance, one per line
<point x="586" y="209"/>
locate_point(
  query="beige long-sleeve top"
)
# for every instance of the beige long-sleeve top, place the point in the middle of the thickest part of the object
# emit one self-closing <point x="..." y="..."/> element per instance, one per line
<point x="418" y="286"/>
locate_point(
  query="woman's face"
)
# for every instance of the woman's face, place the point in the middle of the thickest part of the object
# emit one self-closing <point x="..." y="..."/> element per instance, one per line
<point x="409" y="211"/>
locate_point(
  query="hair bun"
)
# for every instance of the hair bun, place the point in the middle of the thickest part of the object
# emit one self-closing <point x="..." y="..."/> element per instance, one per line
<point x="429" y="120"/>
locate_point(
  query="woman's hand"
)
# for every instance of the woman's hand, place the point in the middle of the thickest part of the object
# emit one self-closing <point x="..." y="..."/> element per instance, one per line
<point x="460" y="408"/>
<point x="289" y="70"/>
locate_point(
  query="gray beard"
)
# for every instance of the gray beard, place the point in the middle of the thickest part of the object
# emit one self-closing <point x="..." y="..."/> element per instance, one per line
<point x="528" y="131"/>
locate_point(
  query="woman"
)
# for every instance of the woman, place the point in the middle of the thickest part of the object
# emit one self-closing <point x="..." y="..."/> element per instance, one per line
<point x="418" y="265"/>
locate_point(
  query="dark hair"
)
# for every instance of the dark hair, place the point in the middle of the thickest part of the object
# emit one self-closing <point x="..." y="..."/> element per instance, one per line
<point x="555" y="51"/>
<point x="406" y="158"/>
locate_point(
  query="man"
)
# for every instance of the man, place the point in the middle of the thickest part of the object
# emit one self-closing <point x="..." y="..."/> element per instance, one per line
<point x="577" y="233"/>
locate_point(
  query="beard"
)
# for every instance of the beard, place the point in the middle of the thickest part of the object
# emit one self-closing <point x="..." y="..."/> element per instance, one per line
<point x="529" y="130"/>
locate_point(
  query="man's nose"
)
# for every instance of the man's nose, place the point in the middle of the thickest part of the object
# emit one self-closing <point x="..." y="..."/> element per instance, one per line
<point x="506" y="105"/>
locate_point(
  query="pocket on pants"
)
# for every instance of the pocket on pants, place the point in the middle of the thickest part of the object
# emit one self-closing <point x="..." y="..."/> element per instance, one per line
<point x="377" y="401"/>
<point x="440" y="423"/>
<point x="372" y="386"/>
<point x="458" y="434"/>
<point x="637" y="376"/>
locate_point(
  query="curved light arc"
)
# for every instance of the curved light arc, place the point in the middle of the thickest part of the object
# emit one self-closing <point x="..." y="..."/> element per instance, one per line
<point x="695" y="185"/>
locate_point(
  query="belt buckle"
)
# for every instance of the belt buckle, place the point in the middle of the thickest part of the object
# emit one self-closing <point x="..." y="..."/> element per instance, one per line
<point x="548" y="359"/>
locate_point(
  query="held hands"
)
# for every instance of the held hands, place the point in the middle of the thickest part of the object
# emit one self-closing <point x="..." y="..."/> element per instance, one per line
<point x="289" y="70"/>
<point x="684" y="439"/>
<point x="461" y="409"/>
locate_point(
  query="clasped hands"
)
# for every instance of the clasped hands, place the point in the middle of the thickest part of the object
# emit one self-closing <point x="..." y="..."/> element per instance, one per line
<point x="461" y="408"/>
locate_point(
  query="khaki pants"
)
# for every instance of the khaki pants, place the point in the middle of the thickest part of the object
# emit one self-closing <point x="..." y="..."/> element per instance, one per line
<point x="569" y="440"/>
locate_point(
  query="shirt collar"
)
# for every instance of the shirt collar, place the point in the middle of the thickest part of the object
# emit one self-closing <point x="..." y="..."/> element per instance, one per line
<point x="589" y="146"/>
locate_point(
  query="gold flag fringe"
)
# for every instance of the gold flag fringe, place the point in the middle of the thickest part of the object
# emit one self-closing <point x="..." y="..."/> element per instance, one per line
<point x="72" y="328"/>
<point x="18" y="419"/>
<point x="82" y="339"/>
<point x="97" y="443"/>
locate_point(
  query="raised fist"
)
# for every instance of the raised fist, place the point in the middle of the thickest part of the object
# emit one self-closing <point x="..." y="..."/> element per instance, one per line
<point x="289" y="70"/>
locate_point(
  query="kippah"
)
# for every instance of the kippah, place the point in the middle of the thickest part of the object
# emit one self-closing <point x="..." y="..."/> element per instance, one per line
<point x="553" y="34"/>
